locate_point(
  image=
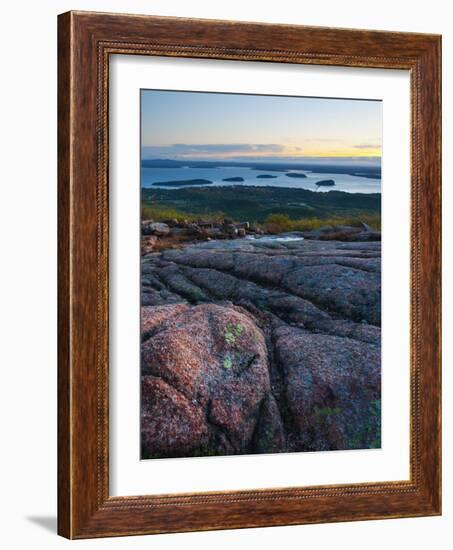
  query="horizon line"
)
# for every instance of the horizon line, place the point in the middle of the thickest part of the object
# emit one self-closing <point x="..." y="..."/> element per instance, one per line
<point x="263" y="158"/>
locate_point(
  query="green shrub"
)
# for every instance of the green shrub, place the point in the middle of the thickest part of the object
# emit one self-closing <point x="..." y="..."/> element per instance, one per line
<point x="278" y="223"/>
<point x="281" y="223"/>
<point x="158" y="213"/>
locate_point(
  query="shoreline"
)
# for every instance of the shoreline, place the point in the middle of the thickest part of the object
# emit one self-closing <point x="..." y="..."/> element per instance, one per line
<point x="174" y="185"/>
<point x="248" y="186"/>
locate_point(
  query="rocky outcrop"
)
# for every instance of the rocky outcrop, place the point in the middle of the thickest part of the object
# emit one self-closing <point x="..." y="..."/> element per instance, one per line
<point x="261" y="345"/>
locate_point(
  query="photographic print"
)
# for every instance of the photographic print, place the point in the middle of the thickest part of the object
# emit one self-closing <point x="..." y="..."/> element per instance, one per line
<point x="260" y="274"/>
<point x="219" y="275"/>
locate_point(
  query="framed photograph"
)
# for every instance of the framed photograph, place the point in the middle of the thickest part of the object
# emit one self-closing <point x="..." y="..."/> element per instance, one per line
<point x="249" y="275"/>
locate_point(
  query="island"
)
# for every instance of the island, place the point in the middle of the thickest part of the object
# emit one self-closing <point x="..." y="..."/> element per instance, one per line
<point x="182" y="183"/>
<point x="295" y="175"/>
<point x="325" y="183"/>
<point x="237" y="178"/>
<point x="266" y="176"/>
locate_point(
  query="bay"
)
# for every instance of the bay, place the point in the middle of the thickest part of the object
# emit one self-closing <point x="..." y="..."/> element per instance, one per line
<point x="343" y="182"/>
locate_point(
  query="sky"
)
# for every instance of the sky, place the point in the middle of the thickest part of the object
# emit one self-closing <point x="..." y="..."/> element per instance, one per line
<point x="216" y="126"/>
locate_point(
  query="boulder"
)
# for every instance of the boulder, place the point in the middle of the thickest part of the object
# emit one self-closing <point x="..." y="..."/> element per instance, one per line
<point x="213" y="232"/>
<point x="155" y="228"/>
<point x="368" y="236"/>
<point x="171" y="222"/>
<point x="153" y="317"/>
<point x="243" y="225"/>
<point x="148" y="244"/>
<point x="209" y="363"/>
<point x="333" y="389"/>
<point x="170" y="422"/>
<point x="194" y="229"/>
<point x="179" y="232"/>
<point x="231" y="230"/>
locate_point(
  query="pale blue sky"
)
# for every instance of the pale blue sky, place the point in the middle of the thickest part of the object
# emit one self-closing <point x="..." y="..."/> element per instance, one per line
<point x="196" y="125"/>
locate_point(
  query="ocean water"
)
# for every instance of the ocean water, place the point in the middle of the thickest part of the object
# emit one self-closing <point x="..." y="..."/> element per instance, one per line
<point x="343" y="182"/>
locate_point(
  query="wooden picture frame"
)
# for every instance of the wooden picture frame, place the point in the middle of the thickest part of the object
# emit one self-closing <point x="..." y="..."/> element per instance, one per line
<point x="85" y="42"/>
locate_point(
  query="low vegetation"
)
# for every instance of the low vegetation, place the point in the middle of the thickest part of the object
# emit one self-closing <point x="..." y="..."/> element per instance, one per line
<point x="159" y="212"/>
<point x="281" y="223"/>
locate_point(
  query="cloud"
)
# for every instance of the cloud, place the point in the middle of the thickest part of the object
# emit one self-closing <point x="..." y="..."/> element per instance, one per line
<point x="206" y="150"/>
<point x="367" y="146"/>
<point x="253" y="151"/>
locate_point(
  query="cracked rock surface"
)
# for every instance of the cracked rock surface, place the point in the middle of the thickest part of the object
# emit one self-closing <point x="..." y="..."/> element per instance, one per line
<point x="261" y="346"/>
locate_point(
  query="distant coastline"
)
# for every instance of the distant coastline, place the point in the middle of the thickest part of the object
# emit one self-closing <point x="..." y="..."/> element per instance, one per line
<point x="362" y="170"/>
